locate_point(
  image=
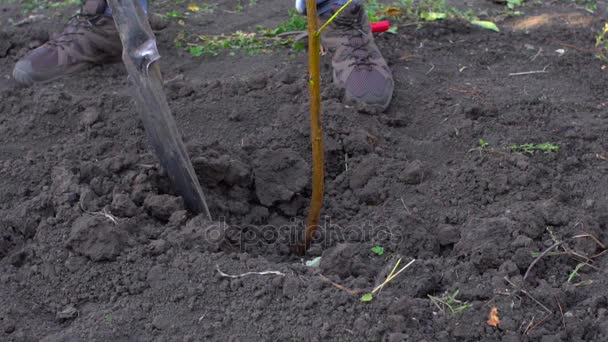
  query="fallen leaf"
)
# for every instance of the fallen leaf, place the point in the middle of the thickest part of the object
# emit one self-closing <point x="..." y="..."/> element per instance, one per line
<point x="493" y="319"/>
<point x="379" y="250"/>
<point x="392" y="11"/>
<point x="367" y="297"/>
<point x="432" y="16"/>
<point x="488" y="25"/>
<point x="193" y="8"/>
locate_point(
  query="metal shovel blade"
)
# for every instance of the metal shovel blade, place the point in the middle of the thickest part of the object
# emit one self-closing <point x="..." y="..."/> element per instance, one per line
<point x="140" y="56"/>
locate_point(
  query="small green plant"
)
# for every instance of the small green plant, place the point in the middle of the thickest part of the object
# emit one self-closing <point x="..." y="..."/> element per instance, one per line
<point x="173" y="15"/>
<point x="531" y="148"/>
<point x="483" y="144"/>
<point x="574" y="273"/>
<point x="450" y="302"/>
<point x="601" y="44"/>
<point x="195" y="50"/>
<point x="263" y="40"/>
<point x="240" y="7"/>
<point x="295" y="22"/>
<point x="590" y="5"/>
<point x="108" y="318"/>
<point x="511" y="4"/>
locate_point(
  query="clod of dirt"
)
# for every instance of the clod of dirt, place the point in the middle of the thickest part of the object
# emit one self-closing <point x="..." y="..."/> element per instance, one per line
<point x="256" y="82"/>
<point x="5" y="44"/>
<point x="19" y="258"/>
<point x="97" y="238"/>
<point x="413" y="173"/>
<point x="447" y="234"/>
<point x="291" y="287"/>
<point x="214" y="170"/>
<point x="157" y="247"/>
<point x="163" y="206"/>
<point x="357" y="142"/>
<point x="123" y="206"/>
<point x="199" y="234"/>
<point x="64" y="182"/>
<point x="483" y="238"/>
<point x="90" y="116"/>
<point x="288" y="76"/>
<point x="158" y="22"/>
<point x="70" y="312"/>
<point x="374" y="192"/>
<point x="161" y="322"/>
<point x="279" y="175"/>
<point x="257" y="215"/>
<point x="339" y="260"/>
<point x="362" y="172"/>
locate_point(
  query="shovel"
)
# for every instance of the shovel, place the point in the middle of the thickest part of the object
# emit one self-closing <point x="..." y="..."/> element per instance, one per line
<point x="140" y="56"/>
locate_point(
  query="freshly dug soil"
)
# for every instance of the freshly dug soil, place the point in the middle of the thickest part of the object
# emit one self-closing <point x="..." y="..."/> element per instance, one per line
<point x="95" y="246"/>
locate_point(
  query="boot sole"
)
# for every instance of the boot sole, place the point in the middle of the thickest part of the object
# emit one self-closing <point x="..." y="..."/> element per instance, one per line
<point x="24" y="74"/>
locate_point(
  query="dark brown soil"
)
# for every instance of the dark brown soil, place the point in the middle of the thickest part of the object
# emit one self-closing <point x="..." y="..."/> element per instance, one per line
<point x="410" y="180"/>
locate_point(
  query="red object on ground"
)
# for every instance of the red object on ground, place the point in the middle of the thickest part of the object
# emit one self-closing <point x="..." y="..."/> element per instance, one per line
<point x="380" y="26"/>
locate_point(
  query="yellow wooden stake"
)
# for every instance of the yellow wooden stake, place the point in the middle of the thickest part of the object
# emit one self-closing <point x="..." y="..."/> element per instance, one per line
<point x="316" y="131"/>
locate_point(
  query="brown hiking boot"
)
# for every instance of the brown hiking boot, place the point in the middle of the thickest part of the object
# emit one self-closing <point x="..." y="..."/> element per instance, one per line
<point x="90" y="38"/>
<point x="358" y="66"/>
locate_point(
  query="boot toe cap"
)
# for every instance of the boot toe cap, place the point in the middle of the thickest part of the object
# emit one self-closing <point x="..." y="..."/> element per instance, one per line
<point x="369" y="88"/>
<point x="23" y="72"/>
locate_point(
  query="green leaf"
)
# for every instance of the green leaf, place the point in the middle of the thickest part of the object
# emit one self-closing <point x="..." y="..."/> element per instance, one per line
<point x="368" y="297"/>
<point x="488" y="25"/>
<point x="379" y="250"/>
<point x="432" y="16"/>
<point x="196" y="50"/>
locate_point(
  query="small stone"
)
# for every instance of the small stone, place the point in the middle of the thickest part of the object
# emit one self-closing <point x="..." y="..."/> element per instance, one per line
<point x="70" y="312"/>
<point x="161" y="322"/>
<point x="90" y="116"/>
<point x="157" y="247"/>
<point x="10" y="328"/>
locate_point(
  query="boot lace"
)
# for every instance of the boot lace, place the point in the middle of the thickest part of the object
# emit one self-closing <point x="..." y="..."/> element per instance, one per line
<point x="357" y="43"/>
<point x="73" y="29"/>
